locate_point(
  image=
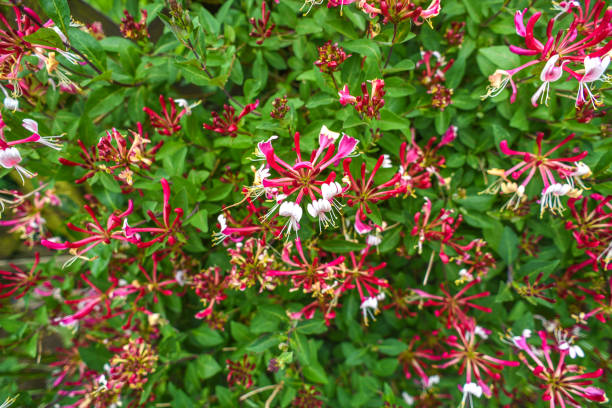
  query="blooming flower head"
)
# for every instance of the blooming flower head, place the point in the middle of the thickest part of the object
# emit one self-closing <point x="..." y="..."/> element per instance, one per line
<point x="562" y="383"/>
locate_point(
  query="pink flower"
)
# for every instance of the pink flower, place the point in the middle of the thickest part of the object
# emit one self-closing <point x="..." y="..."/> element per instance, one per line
<point x="345" y="97"/>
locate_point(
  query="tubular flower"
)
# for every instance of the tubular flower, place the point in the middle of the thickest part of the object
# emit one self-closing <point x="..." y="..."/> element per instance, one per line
<point x="562" y="383"/>
<point x="228" y="124"/>
<point x="585" y="42"/>
<point x="476" y="365"/>
<point x="17" y="280"/>
<point x="454" y="306"/>
<point x="165" y="230"/>
<point x="97" y="234"/>
<point x="363" y="191"/>
<point x="369" y="104"/>
<point x="168" y="122"/>
<point x="311" y="276"/>
<point x="397" y="11"/>
<point x="546" y="167"/>
<point x="304" y="178"/>
<point x="260" y="29"/>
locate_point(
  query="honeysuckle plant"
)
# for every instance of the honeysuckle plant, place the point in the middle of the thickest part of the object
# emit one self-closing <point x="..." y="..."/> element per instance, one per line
<point x="296" y="203"/>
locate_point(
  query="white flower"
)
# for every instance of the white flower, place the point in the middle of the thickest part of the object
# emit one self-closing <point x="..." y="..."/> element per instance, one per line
<point x="470" y="389"/>
<point x="329" y="191"/>
<point x="10" y="158"/>
<point x="431" y="381"/>
<point x="582" y="170"/>
<point x="481" y="332"/>
<point x="185" y="105"/>
<point x="369" y="307"/>
<point x="574" y="350"/>
<point x="373" y="240"/>
<point x="326" y="132"/>
<point x="408" y="399"/>
<point x="179" y="277"/>
<point x="49" y="141"/>
<point x="319" y="209"/>
<point x="465" y="275"/>
<point x="551" y="197"/>
<point x="550" y="73"/>
<point x="594" y="69"/>
<point x="222" y="222"/>
<point x="386" y="164"/>
<point x="294" y="212"/>
<point x="9" y="102"/>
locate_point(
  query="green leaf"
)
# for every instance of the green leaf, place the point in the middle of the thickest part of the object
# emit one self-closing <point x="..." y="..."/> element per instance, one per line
<point x="364" y="47"/>
<point x="193" y="72"/>
<point x="89" y="46"/>
<point x="45" y="36"/>
<point x="205" y="336"/>
<point x="537" y="266"/>
<point x="263" y="343"/>
<point x="392" y="347"/>
<point x="315" y="373"/>
<point x="199" y="220"/>
<point x="207" y="366"/>
<point x="500" y="56"/>
<point x="508" y="246"/>
<point x="58" y="11"/>
<point x="340" y="246"/>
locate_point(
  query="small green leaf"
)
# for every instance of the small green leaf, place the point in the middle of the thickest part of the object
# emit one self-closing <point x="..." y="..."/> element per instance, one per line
<point x="392" y="347"/>
<point x="205" y="336"/>
<point x="45" y="36"/>
<point x="199" y="220"/>
<point x="58" y="11"/>
<point x="508" y="246"/>
<point x="364" y="47"/>
<point x="207" y="366"/>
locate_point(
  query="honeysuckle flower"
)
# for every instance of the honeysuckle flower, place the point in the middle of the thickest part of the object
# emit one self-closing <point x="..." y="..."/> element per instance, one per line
<point x="304" y="178"/>
<point x="562" y="382"/>
<point x="454" y="306"/>
<point x="476" y="365"/>
<point x="551" y="197"/>
<point x="370" y="103"/>
<point x="345" y="97"/>
<point x="228" y="124"/>
<point x="9" y="102"/>
<point x="550" y="73"/>
<point x="97" y="234"/>
<point x="10" y="159"/>
<point x="164" y="229"/>
<point x="49" y="141"/>
<point x="594" y="68"/>
<point x="544" y="165"/>
<point x="331" y="55"/>
<point x="185" y="105"/>
<point x="363" y="192"/>
<point x="369" y="307"/>
<point x="319" y="209"/>
<point x="373" y="240"/>
<point x="586" y="40"/>
<point x="469" y="390"/>
<point x="293" y="211"/>
<point x="261" y="30"/>
<point x="168" y="122"/>
<point x="312" y="276"/>
<point x="386" y="164"/>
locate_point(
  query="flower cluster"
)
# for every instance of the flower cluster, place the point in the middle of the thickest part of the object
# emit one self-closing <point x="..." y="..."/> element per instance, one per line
<point x="578" y="50"/>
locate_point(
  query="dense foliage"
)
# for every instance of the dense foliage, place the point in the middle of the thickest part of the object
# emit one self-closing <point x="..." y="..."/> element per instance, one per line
<point x="343" y="203"/>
